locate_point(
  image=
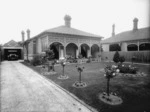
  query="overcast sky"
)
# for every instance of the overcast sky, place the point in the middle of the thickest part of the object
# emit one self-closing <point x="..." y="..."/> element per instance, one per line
<point x="93" y="16"/>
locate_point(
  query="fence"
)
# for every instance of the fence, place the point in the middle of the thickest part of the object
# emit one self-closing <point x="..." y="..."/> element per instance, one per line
<point x="141" y="56"/>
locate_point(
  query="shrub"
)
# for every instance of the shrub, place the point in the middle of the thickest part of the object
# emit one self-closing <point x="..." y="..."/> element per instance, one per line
<point x="128" y="69"/>
<point x="37" y="60"/>
<point x="116" y="57"/>
<point x="122" y="59"/>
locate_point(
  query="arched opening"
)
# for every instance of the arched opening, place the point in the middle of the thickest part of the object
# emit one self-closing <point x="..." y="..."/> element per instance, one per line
<point x="94" y="50"/>
<point x="132" y="47"/>
<point x="56" y="47"/>
<point x="144" y="46"/>
<point x="84" y="50"/>
<point x="71" y="50"/>
<point x="114" y="47"/>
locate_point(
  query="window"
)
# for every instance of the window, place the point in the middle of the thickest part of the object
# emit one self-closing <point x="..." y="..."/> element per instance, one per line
<point x="144" y="46"/>
<point x="114" y="47"/>
<point x="132" y="47"/>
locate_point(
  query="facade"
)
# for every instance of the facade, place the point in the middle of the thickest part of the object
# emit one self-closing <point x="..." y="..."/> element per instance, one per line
<point x="12" y="48"/>
<point x="133" y="42"/>
<point x="64" y="40"/>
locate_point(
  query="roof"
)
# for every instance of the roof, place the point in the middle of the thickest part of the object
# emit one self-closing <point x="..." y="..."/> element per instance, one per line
<point x="72" y="31"/>
<point x="11" y="43"/>
<point x="139" y="34"/>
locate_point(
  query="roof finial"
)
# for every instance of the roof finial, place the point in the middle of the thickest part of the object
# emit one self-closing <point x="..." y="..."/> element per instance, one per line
<point x="113" y="30"/>
<point x="135" y="24"/>
<point x="67" y="19"/>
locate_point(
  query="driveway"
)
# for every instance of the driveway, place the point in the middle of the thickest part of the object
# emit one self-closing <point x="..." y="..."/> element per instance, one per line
<point x="23" y="90"/>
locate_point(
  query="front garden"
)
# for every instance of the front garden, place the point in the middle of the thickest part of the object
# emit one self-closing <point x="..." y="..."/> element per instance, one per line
<point x="105" y="86"/>
<point x="133" y="90"/>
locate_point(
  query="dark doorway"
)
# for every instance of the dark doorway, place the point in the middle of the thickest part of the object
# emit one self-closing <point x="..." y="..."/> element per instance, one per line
<point x="55" y="50"/>
<point x="12" y="54"/>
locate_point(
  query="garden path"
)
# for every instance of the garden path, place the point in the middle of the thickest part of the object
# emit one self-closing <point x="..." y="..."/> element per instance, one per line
<point x="22" y="90"/>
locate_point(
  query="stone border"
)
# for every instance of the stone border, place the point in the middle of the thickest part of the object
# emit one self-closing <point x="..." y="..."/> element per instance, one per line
<point x="111" y="100"/>
<point x="77" y="84"/>
<point x="63" y="77"/>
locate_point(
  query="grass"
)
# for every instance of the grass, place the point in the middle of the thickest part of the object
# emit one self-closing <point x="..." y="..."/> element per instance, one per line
<point x="135" y="91"/>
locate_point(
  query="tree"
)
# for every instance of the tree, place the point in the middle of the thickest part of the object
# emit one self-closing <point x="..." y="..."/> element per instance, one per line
<point x="122" y="59"/>
<point x="116" y="57"/>
<point x="49" y="57"/>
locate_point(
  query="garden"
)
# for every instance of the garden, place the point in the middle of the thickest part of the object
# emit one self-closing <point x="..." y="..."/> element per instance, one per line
<point x="105" y="86"/>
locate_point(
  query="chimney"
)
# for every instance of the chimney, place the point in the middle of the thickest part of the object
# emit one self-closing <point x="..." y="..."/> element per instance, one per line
<point x="28" y="33"/>
<point x="22" y="33"/>
<point x="113" y="30"/>
<point x="135" y="24"/>
<point x="67" y="19"/>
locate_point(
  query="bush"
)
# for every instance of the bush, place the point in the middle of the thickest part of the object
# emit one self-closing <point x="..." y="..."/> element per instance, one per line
<point x="122" y="59"/>
<point x="37" y="60"/>
<point x="128" y="69"/>
<point x="116" y="57"/>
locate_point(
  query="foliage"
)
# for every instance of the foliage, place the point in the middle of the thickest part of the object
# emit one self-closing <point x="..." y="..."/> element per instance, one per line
<point x="128" y="69"/>
<point x="80" y="56"/>
<point x="122" y="59"/>
<point x="89" y="59"/>
<point x="49" y="54"/>
<point x="37" y="60"/>
<point x="116" y="57"/>
<point x="111" y="71"/>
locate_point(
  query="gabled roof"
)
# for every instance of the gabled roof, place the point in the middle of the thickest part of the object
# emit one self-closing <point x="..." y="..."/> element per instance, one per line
<point x="71" y="31"/>
<point x="139" y="34"/>
<point x="11" y="43"/>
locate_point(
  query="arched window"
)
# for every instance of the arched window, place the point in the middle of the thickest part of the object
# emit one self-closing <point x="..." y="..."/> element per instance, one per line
<point x="132" y="47"/>
<point x="114" y="47"/>
<point x="144" y="46"/>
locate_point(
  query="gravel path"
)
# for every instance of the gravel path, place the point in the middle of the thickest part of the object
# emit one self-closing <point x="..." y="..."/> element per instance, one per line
<point x="23" y="90"/>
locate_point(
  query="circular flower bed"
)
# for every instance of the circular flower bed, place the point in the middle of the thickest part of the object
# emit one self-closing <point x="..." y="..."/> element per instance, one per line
<point x="63" y="77"/>
<point x="112" y="99"/>
<point x="78" y="84"/>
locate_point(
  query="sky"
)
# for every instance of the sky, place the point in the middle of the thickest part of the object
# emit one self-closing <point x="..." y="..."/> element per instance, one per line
<point x="93" y="16"/>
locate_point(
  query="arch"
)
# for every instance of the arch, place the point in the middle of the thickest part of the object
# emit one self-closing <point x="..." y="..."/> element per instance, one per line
<point x="94" y="50"/>
<point x="114" y="47"/>
<point x="56" y="47"/>
<point x="84" y="50"/>
<point x="144" y="46"/>
<point x="132" y="47"/>
<point x="71" y="50"/>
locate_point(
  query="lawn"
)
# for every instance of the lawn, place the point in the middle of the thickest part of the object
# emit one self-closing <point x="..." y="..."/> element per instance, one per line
<point x="135" y="91"/>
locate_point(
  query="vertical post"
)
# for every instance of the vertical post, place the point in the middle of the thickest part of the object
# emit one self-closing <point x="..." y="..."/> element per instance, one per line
<point x="79" y="76"/>
<point x="27" y="50"/>
<point x="63" y="70"/>
<point x="108" y="79"/>
<point x="64" y="52"/>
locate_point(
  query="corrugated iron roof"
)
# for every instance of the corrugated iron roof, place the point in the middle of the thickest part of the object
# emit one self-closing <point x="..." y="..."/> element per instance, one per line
<point x="139" y="34"/>
<point x="72" y="31"/>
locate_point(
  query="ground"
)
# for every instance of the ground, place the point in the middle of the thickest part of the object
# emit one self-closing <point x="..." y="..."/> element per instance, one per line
<point x="24" y="90"/>
<point x="135" y="91"/>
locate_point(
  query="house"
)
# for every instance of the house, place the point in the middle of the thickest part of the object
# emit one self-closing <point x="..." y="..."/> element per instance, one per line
<point x="133" y="42"/>
<point x="12" y="48"/>
<point x="64" y="41"/>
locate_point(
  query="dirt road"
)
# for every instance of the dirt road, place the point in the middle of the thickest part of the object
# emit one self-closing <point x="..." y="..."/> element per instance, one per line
<point x="23" y="90"/>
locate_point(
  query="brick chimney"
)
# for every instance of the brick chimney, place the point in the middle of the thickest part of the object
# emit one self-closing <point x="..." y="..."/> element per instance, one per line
<point x="28" y="33"/>
<point x="113" y="30"/>
<point x="22" y="33"/>
<point x="135" y="24"/>
<point x="67" y="19"/>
